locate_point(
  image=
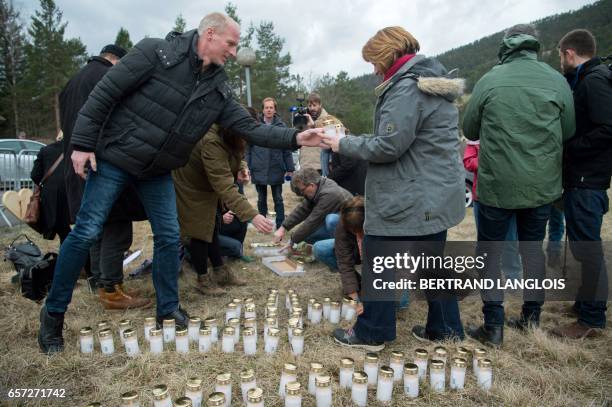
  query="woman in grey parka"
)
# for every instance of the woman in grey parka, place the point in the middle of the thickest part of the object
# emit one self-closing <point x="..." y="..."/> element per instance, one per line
<point x="414" y="188"/>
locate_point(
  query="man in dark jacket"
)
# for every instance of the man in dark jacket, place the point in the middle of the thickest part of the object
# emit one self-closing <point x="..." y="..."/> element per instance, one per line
<point x="269" y="166"/>
<point x="140" y="122"/>
<point x="587" y="167"/>
<point x="348" y="172"/>
<point x="107" y="253"/>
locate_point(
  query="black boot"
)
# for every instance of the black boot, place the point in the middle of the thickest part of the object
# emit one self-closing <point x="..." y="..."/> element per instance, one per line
<point x="522" y="323"/>
<point x="488" y="335"/>
<point x="180" y="316"/>
<point x="50" y="337"/>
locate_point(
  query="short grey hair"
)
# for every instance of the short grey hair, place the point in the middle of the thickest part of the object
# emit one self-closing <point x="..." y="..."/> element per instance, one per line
<point x="305" y="176"/>
<point x="518" y="29"/>
<point x="218" y="21"/>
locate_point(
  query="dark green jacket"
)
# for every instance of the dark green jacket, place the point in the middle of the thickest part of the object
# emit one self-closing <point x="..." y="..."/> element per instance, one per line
<point x="522" y="111"/>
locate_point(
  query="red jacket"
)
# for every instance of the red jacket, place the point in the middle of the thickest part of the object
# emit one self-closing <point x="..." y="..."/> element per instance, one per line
<point x="470" y="162"/>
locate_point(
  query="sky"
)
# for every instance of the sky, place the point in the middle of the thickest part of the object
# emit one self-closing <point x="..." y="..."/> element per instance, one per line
<point x="322" y="36"/>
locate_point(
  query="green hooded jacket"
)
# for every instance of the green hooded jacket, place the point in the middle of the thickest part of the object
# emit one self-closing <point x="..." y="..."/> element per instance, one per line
<point x="522" y="111"/>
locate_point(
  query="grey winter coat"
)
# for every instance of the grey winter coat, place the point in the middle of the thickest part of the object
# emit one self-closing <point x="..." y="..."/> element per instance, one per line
<point x="415" y="184"/>
<point x="269" y="165"/>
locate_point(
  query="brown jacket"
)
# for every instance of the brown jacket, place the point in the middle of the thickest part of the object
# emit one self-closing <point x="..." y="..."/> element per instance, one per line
<point x="328" y="199"/>
<point x="203" y="182"/>
<point x="347" y="255"/>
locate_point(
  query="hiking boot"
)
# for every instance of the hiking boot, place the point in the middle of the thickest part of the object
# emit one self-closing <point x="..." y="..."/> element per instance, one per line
<point x="131" y="292"/>
<point x="225" y="276"/>
<point x="347" y="337"/>
<point x="118" y="299"/>
<point x="50" y="338"/>
<point x="208" y="286"/>
<point x="576" y="330"/>
<point x="488" y="335"/>
<point x="180" y="316"/>
<point x="522" y="324"/>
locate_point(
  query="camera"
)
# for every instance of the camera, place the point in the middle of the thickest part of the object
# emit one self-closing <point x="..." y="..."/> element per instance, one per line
<point x="300" y="121"/>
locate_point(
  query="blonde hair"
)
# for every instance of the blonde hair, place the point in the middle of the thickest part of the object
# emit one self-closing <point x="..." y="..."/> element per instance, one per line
<point x="269" y="99"/>
<point x="387" y="45"/>
<point x="216" y="21"/>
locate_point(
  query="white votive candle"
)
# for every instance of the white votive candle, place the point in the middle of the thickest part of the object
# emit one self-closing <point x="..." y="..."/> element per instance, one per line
<point x="334" y="312"/>
<point x="347" y="368"/>
<point x="326" y="307"/>
<point x="247" y="382"/>
<point x="131" y="342"/>
<point x="194" y="329"/>
<point x="182" y="341"/>
<point x="288" y="375"/>
<point x="437" y="376"/>
<point x="316" y="369"/>
<point x="411" y="380"/>
<point x="193" y="391"/>
<point x="271" y="343"/>
<point x="396" y="363"/>
<point x="161" y="396"/>
<point x="384" y="388"/>
<point x="86" y="340"/>
<point x="255" y="398"/>
<point x="227" y="342"/>
<point x="123" y="325"/>
<point x="359" y="390"/>
<point x="324" y="391"/>
<point x="149" y="323"/>
<point x="211" y="323"/>
<point x="297" y="342"/>
<point x="370" y="366"/>
<point x="317" y="313"/>
<point x="169" y="328"/>
<point x="421" y="359"/>
<point x="485" y="374"/>
<point x="293" y="394"/>
<point x="223" y="384"/>
<point x="457" y="373"/>
<point x="156" y="341"/>
<point x="249" y="340"/>
<point x="204" y="340"/>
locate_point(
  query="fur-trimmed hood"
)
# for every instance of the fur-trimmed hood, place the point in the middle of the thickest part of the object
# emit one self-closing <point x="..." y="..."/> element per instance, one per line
<point x="429" y="74"/>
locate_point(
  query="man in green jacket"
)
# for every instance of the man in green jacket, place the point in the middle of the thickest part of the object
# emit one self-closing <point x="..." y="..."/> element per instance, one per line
<point x="521" y="111"/>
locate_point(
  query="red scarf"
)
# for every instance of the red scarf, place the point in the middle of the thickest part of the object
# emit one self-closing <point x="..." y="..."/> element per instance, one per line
<point x="397" y="65"/>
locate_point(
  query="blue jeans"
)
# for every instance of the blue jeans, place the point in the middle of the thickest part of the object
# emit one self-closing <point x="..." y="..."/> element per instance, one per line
<point x="325" y="231"/>
<point x="493" y="226"/>
<point x="584" y="210"/>
<point x="323" y="250"/>
<point x="377" y="323"/>
<point x="325" y="158"/>
<point x="231" y="238"/>
<point x="511" y="259"/>
<point x="102" y="188"/>
<point x="277" y="197"/>
<point x="555" y="232"/>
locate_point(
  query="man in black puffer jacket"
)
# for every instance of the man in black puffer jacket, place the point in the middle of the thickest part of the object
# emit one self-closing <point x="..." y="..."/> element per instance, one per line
<point x="139" y="123"/>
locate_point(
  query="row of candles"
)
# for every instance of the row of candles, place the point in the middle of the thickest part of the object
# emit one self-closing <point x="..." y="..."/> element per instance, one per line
<point x="382" y="378"/>
<point x="208" y="335"/>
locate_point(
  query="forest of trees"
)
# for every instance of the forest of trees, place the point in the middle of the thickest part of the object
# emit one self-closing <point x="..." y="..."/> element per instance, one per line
<point x="36" y="61"/>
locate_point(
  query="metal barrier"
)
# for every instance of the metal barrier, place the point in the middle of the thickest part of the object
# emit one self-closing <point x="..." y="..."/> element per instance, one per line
<point x="15" y="172"/>
<point x="25" y="162"/>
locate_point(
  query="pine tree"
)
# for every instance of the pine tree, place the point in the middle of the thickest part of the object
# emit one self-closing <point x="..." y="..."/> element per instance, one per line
<point x="12" y="62"/>
<point x="179" y="24"/>
<point x="123" y="39"/>
<point x="51" y="61"/>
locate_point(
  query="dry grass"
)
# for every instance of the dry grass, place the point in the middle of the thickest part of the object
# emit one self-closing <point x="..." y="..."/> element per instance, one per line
<point x="530" y="370"/>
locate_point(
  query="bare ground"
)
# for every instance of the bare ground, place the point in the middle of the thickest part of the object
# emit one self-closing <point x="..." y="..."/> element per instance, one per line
<point x="530" y="369"/>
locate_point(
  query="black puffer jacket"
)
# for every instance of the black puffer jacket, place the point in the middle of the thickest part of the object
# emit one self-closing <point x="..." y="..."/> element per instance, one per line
<point x="150" y="109"/>
<point x="587" y="158"/>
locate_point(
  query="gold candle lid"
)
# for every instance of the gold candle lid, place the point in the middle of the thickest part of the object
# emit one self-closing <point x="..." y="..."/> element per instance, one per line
<point x="317" y="306"/>
<point x="224" y="378"/>
<point x="124" y="323"/>
<point x="237" y="301"/>
<point x="105" y="332"/>
<point x="228" y="330"/>
<point x="169" y="322"/>
<point x="86" y="331"/>
<point x="232" y="305"/>
<point x="290" y="368"/>
<point x="421" y="353"/>
<point x="385" y="371"/>
<point x="462" y="352"/>
<point x="293" y="322"/>
<point x="316" y="367"/>
<point x="205" y="331"/>
<point x="479" y="353"/>
<point x="182" y="332"/>
<point x="249" y="300"/>
<point x="273" y="291"/>
<point x="322" y="381"/>
<point x="273" y="332"/>
<point x="271" y="321"/>
<point x="160" y="392"/>
<point x="296" y="314"/>
<point x="194" y="384"/>
<point x="233" y="322"/>
<point x="312" y="300"/>
<point x="250" y="322"/>
<point x="272" y="314"/>
<point x="290" y="291"/>
<point x="103" y="325"/>
<point x="183" y="402"/>
<point x="131" y="395"/>
<point x="298" y="332"/>
<point x="360" y="378"/>
<point x="485" y="364"/>
<point x="248" y="331"/>
<point x="411" y="369"/>
<point x="293" y="388"/>
<point x="335" y="304"/>
<point x="128" y="333"/>
<point x="397" y="356"/>
<point x="347" y="363"/>
<point x="255" y="395"/>
<point x="371" y="358"/>
<point x="155" y="332"/>
<point x="440" y="350"/>
<point x="346" y="300"/>
<point x="298" y="310"/>
<point x="216" y="399"/>
<point x="326" y="300"/>
<point x="249" y="307"/>
<point x="459" y="362"/>
<point x="195" y="320"/>
<point x="437" y="364"/>
<point x="210" y="321"/>
<point x="247" y="375"/>
<point x="150" y="321"/>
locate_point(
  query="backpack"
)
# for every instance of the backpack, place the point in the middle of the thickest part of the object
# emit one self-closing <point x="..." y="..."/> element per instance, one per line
<point x="34" y="270"/>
